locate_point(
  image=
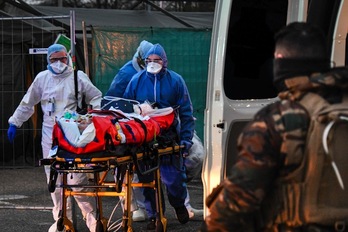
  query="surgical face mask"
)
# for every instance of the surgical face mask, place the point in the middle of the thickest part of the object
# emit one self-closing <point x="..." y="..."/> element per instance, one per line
<point x="58" y="67"/>
<point x="153" y="67"/>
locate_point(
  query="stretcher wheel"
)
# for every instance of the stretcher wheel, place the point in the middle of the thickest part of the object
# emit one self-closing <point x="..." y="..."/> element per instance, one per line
<point x="60" y="224"/>
<point x="100" y="227"/>
<point x="64" y="225"/>
<point x="159" y="227"/>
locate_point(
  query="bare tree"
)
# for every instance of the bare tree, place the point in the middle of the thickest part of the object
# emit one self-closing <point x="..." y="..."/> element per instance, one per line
<point x="198" y="5"/>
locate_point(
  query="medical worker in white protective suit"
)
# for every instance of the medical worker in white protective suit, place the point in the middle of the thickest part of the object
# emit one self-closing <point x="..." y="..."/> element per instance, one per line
<point x="55" y="90"/>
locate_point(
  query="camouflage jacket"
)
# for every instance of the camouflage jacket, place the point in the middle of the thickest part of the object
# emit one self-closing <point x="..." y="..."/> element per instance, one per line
<point x="264" y="157"/>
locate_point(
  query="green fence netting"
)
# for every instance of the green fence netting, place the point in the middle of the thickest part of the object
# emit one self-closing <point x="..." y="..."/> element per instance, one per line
<point x="187" y="51"/>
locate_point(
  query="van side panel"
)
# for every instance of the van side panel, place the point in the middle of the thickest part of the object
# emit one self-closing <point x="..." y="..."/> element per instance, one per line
<point x="339" y="35"/>
<point x="213" y="121"/>
<point x="239" y="78"/>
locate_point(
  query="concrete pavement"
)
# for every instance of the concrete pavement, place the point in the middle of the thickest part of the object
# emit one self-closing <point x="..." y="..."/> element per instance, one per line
<point x="25" y="204"/>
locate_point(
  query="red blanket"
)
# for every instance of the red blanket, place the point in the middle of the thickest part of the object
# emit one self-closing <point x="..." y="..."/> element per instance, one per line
<point x="112" y="127"/>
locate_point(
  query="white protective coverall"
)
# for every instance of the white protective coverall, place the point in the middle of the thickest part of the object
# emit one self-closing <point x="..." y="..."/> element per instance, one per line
<point x="59" y="89"/>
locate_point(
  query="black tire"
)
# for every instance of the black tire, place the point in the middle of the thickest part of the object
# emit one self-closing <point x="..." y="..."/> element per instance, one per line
<point x="100" y="227"/>
<point x="159" y="227"/>
<point x="60" y="224"/>
<point x="125" y="225"/>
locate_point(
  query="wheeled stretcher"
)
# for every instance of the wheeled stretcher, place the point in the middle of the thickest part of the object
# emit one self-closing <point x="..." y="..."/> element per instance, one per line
<point x="110" y="155"/>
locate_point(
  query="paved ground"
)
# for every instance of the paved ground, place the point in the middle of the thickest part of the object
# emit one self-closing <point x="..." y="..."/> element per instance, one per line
<point x="25" y="203"/>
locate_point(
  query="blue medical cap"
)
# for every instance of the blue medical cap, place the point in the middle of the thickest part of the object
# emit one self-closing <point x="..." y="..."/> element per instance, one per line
<point x="53" y="49"/>
<point x="157" y="49"/>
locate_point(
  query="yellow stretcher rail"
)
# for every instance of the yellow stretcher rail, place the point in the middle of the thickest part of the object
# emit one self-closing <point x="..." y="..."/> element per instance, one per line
<point x="100" y="166"/>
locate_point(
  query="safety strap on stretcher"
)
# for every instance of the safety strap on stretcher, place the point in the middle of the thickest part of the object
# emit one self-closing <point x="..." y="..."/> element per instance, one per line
<point x="100" y="157"/>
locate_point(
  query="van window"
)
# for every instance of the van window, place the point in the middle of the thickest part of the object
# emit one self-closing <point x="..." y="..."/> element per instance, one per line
<point x="250" y="46"/>
<point x="324" y="14"/>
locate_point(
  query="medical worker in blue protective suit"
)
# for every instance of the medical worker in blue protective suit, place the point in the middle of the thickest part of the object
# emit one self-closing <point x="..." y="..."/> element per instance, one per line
<point x="116" y="89"/>
<point x="157" y="84"/>
<point x="54" y="89"/>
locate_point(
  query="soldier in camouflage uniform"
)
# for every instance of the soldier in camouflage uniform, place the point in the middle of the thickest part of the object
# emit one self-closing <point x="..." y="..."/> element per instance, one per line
<point x="242" y="201"/>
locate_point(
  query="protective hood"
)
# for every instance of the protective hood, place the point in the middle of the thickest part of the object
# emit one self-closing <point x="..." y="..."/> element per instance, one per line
<point x="143" y="48"/>
<point x="158" y="50"/>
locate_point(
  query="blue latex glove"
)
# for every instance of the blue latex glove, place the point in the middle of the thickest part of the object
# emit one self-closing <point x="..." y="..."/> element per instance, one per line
<point x="11" y="132"/>
<point x="187" y="147"/>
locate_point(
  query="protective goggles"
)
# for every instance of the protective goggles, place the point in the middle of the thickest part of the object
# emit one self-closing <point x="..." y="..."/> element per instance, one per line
<point x="61" y="59"/>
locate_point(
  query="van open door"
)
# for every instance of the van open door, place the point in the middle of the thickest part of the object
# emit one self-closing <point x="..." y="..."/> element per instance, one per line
<point x="241" y="68"/>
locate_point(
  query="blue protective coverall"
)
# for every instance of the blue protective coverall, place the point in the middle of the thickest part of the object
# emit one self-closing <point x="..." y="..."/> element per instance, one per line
<point x="167" y="89"/>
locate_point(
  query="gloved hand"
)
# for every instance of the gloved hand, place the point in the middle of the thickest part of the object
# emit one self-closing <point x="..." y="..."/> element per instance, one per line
<point x="187" y="147"/>
<point x="11" y="132"/>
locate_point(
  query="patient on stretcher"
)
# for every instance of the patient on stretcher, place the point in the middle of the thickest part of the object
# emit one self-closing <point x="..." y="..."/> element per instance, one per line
<point x="79" y="130"/>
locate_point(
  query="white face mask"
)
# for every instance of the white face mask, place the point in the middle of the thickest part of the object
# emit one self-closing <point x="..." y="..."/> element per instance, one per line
<point x="58" y="67"/>
<point x="153" y="67"/>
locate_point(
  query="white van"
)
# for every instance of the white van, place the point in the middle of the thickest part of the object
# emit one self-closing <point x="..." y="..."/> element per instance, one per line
<point x="240" y="68"/>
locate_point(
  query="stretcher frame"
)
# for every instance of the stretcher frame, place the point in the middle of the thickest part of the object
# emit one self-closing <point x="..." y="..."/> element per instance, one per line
<point x="100" y="166"/>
